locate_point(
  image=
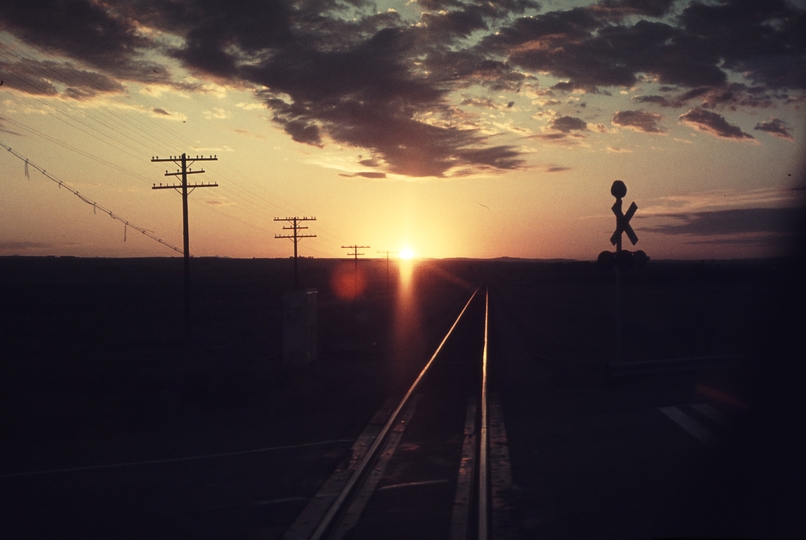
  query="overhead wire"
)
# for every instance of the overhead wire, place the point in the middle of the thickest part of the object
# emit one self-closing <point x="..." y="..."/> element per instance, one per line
<point x="95" y="205"/>
<point x="247" y="200"/>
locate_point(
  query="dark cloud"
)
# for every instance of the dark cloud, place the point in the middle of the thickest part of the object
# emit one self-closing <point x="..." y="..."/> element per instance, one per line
<point x="303" y="132"/>
<point x="567" y="124"/>
<point x="582" y="45"/>
<point x="558" y="169"/>
<point x="49" y="78"/>
<point x="448" y="24"/>
<point x="495" y="157"/>
<point x="713" y="123"/>
<point x="577" y="46"/>
<point x="479" y="102"/>
<point x="497" y="9"/>
<point x="367" y="96"/>
<point x="727" y="222"/>
<point x="340" y="71"/>
<point x="762" y="40"/>
<point x="550" y="136"/>
<point x="728" y="96"/>
<point x="775" y="127"/>
<point x="621" y="8"/>
<point x="372" y="175"/>
<point x="157" y="110"/>
<point x="643" y="121"/>
<point x="466" y="68"/>
<point x="83" y="30"/>
<point x="657" y="100"/>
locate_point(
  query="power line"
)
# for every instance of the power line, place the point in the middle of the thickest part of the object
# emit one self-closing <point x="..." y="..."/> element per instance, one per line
<point x="95" y="205"/>
<point x="105" y="121"/>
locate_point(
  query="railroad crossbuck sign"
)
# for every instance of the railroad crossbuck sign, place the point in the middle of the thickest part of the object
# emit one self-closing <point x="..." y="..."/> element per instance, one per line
<point x="619" y="190"/>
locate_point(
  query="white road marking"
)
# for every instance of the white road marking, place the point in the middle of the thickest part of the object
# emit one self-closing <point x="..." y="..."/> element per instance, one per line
<point x="694" y="428"/>
<point x="171" y="460"/>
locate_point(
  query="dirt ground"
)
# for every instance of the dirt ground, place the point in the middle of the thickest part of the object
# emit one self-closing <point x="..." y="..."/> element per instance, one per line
<point x="94" y="347"/>
<point x="95" y="368"/>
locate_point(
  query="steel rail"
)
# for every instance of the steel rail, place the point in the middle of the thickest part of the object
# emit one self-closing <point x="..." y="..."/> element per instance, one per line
<point x="369" y="457"/>
<point x="483" y="529"/>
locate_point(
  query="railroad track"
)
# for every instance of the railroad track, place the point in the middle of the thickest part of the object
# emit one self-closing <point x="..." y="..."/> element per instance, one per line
<point x="433" y="465"/>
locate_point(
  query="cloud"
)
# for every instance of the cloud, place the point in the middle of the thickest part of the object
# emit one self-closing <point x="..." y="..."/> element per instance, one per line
<point x="248" y="133"/>
<point x="713" y="123"/>
<point x="479" y="102"/>
<point x="729" y="222"/>
<point x="775" y="127"/>
<point x="372" y="175"/>
<point x="584" y="48"/>
<point x="567" y="124"/>
<point x="621" y="8"/>
<point x="721" y="198"/>
<point x="340" y="72"/>
<point x="730" y="96"/>
<point x="217" y="113"/>
<point x="645" y="122"/>
<point x="159" y="112"/>
<point x="761" y="40"/>
<point x="83" y="30"/>
<point x="557" y="169"/>
<point x="49" y="78"/>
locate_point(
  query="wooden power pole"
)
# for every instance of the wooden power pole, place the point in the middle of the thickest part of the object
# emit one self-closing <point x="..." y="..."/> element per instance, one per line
<point x="355" y="254"/>
<point x="387" y="268"/>
<point x="184" y="163"/>
<point x="295" y="226"/>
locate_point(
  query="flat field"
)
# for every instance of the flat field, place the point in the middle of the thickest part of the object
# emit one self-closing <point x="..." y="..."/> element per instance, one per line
<point x="96" y="372"/>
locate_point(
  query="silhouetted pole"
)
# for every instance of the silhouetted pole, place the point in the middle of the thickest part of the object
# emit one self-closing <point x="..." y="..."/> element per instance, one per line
<point x="619" y="190"/>
<point x="295" y="226"/>
<point x="387" y="269"/>
<point x="355" y="254"/>
<point x="183" y="162"/>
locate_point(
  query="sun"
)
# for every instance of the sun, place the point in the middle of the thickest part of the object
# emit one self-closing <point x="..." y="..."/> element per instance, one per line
<point x="406" y="253"/>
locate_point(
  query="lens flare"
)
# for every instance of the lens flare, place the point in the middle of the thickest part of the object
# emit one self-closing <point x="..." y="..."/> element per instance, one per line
<point x="348" y="281"/>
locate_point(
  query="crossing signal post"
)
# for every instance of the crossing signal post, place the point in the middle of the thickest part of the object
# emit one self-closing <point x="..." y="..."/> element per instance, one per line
<point x="296" y="227"/>
<point x="185" y="164"/>
<point x="622" y="259"/>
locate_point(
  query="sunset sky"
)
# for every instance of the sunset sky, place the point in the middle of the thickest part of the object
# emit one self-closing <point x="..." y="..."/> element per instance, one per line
<point x="445" y="127"/>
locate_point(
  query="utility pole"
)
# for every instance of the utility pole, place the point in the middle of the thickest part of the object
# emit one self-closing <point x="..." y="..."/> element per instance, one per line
<point x="295" y="226"/>
<point x="387" y="268"/>
<point x="355" y="254"/>
<point x="184" y="162"/>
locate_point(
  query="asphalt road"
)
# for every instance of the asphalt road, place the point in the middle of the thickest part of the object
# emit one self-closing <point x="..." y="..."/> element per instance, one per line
<point x="705" y="452"/>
